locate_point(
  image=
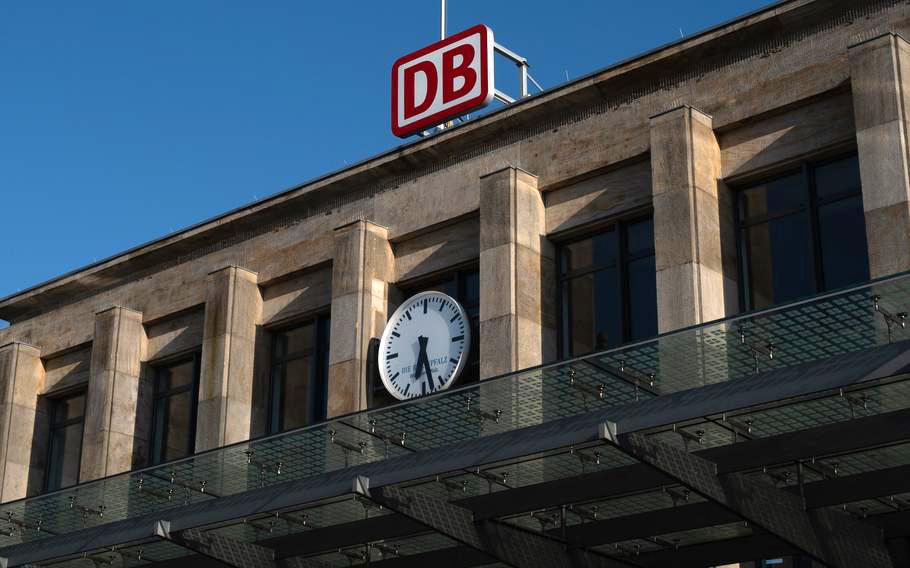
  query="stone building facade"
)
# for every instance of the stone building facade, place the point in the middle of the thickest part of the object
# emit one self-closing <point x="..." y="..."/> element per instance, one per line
<point x="188" y="343"/>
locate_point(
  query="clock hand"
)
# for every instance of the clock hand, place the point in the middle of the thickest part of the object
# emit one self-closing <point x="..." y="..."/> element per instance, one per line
<point x="423" y="361"/>
<point x="420" y="356"/>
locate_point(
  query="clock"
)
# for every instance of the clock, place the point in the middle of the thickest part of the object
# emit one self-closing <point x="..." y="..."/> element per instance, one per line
<point x="424" y="346"/>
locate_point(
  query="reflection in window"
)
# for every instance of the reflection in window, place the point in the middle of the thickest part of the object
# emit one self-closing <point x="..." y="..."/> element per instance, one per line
<point x="174" y="413"/>
<point x="65" y="443"/>
<point x="608" y="283"/>
<point x="803" y="233"/>
<point x="464" y="287"/>
<point x="299" y="375"/>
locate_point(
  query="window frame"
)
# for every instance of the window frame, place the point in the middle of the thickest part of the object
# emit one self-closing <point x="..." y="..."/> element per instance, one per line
<point x="619" y="223"/>
<point x="806" y="171"/>
<point x="55" y="401"/>
<point x="155" y="456"/>
<point x="318" y="368"/>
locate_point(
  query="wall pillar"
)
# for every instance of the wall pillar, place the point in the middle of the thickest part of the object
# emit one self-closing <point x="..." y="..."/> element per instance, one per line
<point x="362" y="268"/>
<point x="691" y="211"/>
<point x="880" y="81"/>
<point x="517" y="275"/>
<point x="109" y="444"/>
<point x="233" y="308"/>
<point x="21" y="379"/>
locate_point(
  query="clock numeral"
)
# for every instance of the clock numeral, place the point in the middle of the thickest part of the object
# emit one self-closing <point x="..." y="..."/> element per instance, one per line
<point x="406" y="389"/>
<point x="391" y="355"/>
<point x="396" y="334"/>
<point x="394" y="377"/>
<point x="453" y="360"/>
<point x="408" y="313"/>
<point x="457" y="338"/>
<point x="424" y="305"/>
<point x="455" y="317"/>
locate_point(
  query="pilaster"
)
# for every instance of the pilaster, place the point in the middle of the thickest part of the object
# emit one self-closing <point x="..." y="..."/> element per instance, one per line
<point x="517" y="275"/>
<point x="695" y="273"/>
<point x="233" y="308"/>
<point x="21" y="378"/>
<point x="109" y="442"/>
<point x="362" y="268"/>
<point x="880" y="81"/>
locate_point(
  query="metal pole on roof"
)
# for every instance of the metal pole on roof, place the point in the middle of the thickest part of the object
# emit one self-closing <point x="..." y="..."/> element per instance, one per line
<point x="442" y="21"/>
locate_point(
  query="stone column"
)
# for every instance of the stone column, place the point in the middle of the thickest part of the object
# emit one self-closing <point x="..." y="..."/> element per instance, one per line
<point x="109" y="444"/>
<point x="517" y="275"/>
<point x="691" y="210"/>
<point x="880" y="81"/>
<point x="21" y="379"/>
<point x="362" y="268"/>
<point x="233" y="308"/>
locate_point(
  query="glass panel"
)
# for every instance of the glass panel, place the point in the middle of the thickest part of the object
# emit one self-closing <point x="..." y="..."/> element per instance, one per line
<point x="176" y="376"/>
<point x="773" y="198"/>
<point x="297" y="393"/>
<point x="298" y="340"/>
<point x="470" y="289"/>
<point x="779" y="257"/>
<point x="67" y="409"/>
<point x="176" y="426"/>
<point x="596" y="251"/>
<point x="837" y="178"/>
<point x="595" y="319"/>
<point x="642" y="298"/>
<point x="842" y="232"/>
<point x="65" y="455"/>
<point x="640" y="237"/>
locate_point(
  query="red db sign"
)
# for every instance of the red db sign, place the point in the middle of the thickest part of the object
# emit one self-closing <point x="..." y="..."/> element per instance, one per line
<point x="442" y="81"/>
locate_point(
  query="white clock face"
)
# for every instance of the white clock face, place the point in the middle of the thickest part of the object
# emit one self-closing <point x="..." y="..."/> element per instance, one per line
<point x="424" y="346"/>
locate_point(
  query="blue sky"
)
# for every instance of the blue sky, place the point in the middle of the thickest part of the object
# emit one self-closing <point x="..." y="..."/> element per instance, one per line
<point x="121" y="122"/>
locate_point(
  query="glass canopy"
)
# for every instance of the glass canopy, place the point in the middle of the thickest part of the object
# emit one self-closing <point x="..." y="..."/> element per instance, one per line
<point x="735" y="349"/>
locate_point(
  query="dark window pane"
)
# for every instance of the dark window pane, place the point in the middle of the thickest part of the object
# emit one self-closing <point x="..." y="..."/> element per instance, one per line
<point x="780" y="264"/>
<point x="842" y="230"/>
<point x="642" y="298"/>
<point x="837" y="178"/>
<point x="298" y="375"/>
<point x="66" y="453"/>
<point x="176" y="376"/>
<point x="594" y="317"/>
<point x="640" y="237"/>
<point x="447" y="286"/>
<point x="175" y="428"/>
<point x="774" y="197"/>
<point x="297" y="393"/>
<point x="598" y="251"/>
<point x="298" y="340"/>
<point x="68" y="409"/>
<point x="471" y="289"/>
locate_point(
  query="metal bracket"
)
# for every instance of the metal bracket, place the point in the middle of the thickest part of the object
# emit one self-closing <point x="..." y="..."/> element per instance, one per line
<point x="503" y="542"/>
<point x="829" y="537"/>
<point x="898" y="319"/>
<point x="479" y="414"/>
<point x="229" y="551"/>
<point x="757" y="349"/>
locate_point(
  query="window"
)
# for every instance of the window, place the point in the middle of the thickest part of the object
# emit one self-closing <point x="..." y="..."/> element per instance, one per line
<point x="608" y="288"/>
<point x="299" y="375"/>
<point x="802" y="233"/>
<point x="174" y="411"/>
<point x="464" y="286"/>
<point x="65" y="442"/>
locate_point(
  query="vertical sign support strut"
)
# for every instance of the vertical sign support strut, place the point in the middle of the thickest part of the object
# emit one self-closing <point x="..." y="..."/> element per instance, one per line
<point x="442" y="21"/>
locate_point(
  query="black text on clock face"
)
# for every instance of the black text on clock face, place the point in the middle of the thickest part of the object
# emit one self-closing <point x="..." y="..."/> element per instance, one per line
<point x="437" y="323"/>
